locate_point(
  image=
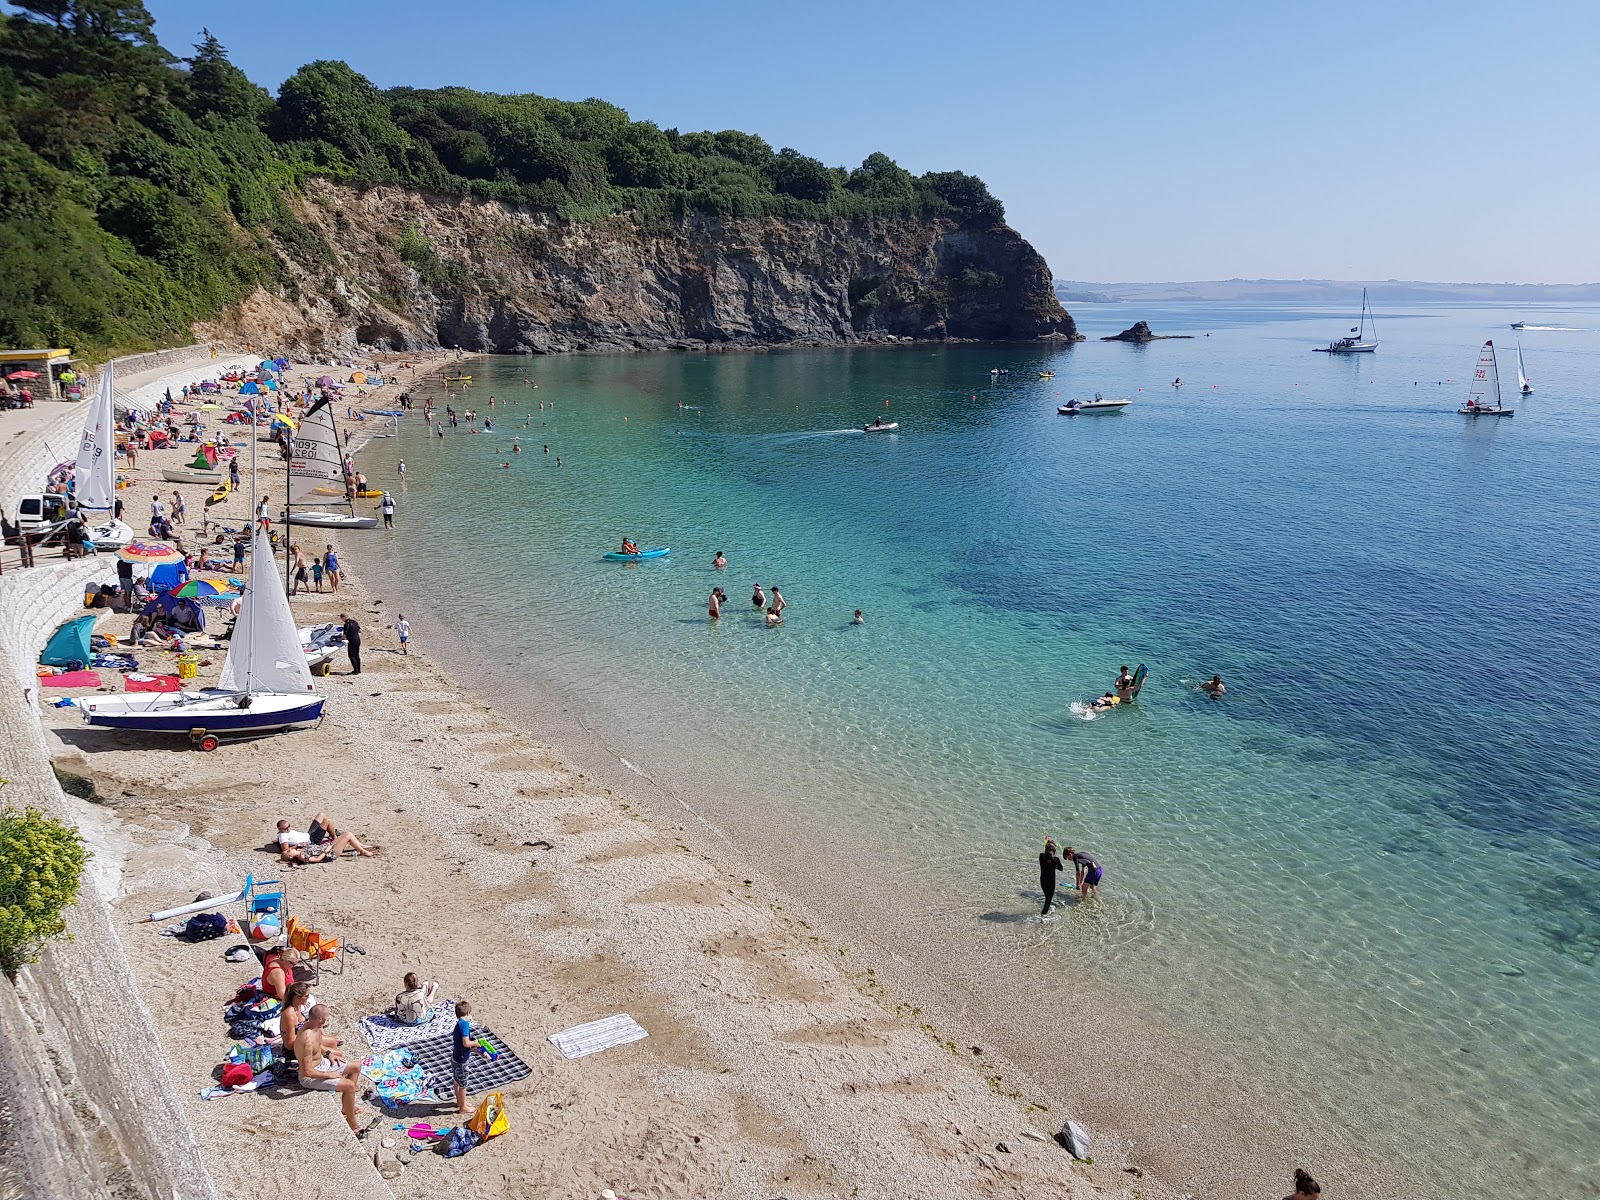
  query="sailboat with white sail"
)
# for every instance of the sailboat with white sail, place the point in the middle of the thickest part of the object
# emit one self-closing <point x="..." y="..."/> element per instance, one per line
<point x="94" y="476"/>
<point x="1523" y="384"/>
<point x="1358" y="341"/>
<point x="317" y="474"/>
<point x="1484" y="398"/>
<point x="265" y="685"/>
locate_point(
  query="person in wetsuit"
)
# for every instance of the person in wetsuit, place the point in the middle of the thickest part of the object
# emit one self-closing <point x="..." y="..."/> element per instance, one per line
<point x="1049" y="863"/>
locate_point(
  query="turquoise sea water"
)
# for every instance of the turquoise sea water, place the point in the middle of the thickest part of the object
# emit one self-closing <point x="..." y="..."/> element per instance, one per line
<point x="1352" y="910"/>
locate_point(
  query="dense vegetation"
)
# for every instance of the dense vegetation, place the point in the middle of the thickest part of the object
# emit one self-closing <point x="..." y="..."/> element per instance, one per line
<point x="41" y="866"/>
<point x="140" y="192"/>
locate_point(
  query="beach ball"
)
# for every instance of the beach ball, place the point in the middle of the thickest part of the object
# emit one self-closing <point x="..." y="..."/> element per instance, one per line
<point x="265" y="929"/>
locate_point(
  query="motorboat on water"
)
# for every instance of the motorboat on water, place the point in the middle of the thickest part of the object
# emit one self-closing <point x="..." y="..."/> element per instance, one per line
<point x="1519" y="324"/>
<point x="265" y="686"/>
<point x="880" y="426"/>
<point x="1099" y="404"/>
<point x="1484" y="398"/>
<point x="1359" y="341"/>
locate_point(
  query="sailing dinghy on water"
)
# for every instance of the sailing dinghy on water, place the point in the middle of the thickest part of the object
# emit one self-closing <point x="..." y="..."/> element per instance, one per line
<point x="1484" y="398"/>
<point x="94" y="477"/>
<point x="317" y="475"/>
<point x="1358" y="342"/>
<point x="265" y="686"/>
<point x="1523" y="386"/>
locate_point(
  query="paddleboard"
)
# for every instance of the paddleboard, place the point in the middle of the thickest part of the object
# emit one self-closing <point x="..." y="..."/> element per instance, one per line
<point x="654" y="552"/>
<point x="1138" y="678"/>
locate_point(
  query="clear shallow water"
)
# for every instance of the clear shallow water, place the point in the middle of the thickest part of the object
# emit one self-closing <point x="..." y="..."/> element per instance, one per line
<point x="1352" y="910"/>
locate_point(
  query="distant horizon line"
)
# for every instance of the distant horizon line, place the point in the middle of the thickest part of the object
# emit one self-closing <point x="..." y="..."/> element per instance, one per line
<point x="1314" y="280"/>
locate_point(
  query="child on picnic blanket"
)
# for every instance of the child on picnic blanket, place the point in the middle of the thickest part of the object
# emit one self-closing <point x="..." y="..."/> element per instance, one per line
<point x="414" y="1005"/>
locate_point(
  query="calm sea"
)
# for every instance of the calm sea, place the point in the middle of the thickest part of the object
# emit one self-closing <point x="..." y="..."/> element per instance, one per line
<point x="1351" y="914"/>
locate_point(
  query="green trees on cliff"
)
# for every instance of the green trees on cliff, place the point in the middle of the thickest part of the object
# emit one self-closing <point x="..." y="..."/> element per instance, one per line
<point x="140" y="192"/>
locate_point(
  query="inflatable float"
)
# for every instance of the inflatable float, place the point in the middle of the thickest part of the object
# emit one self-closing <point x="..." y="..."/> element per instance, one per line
<point x="653" y="552"/>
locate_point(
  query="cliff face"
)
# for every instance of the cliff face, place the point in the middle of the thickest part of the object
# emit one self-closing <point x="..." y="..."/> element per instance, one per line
<point x="411" y="271"/>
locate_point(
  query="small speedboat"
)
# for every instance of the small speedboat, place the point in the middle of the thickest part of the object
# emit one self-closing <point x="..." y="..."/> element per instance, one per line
<point x="1099" y="404"/>
<point x="1519" y="324"/>
<point x="880" y="427"/>
<point x="653" y="552"/>
<point x="328" y="520"/>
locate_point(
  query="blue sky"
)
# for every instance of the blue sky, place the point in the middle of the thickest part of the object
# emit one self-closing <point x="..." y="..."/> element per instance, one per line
<point x="1151" y="141"/>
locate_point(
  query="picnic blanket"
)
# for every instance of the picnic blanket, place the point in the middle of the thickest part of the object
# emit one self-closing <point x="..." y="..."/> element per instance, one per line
<point x="398" y="1077"/>
<point x="598" y="1035"/>
<point x="383" y="1032"/>
<point x="483" y="1074"/>
<point x="71" y="679"/>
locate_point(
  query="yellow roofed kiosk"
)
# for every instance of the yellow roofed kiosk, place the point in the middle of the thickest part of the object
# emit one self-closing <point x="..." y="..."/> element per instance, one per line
<point x="47" y="365"/>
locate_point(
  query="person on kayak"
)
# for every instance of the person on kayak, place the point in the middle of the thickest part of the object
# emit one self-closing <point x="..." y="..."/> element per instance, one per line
<point x="628" y="547"/>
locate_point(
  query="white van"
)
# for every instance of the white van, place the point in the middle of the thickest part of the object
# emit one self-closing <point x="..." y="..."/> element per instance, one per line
<point x="37" y="513"/>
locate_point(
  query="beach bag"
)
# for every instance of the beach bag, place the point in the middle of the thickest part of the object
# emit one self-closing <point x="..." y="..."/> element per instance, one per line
<point x="259" y="1057"/>
<point x="204" y="926"/>
<point x="490" y="1120"/>
<point x="459" y="1142"/>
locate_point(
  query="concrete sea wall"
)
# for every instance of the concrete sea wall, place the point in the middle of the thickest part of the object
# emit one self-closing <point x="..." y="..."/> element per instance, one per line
<point x="87" y="1109"/>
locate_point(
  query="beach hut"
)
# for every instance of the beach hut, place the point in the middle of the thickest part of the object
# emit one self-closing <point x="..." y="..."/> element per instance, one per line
<point x="69" y="645"/>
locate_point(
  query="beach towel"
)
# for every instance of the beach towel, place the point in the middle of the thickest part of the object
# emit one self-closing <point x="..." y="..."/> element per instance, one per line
<point x="597" y="1036"/>
<point x="217" y="1093"/>
<point x="71" y="679"/>
<point x="115" y="662"/>
<point x="151" y="683"/>
<point x="383" y="1032"/>
<point x="398" y="1077"/>
<point x="483" y="1074"/>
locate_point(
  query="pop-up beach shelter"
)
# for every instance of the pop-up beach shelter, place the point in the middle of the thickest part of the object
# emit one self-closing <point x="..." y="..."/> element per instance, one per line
<point x="176" y="611"/>
<point x="69" y="644"/>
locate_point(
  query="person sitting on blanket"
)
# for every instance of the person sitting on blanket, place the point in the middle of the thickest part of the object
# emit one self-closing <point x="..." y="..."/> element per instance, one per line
<point x="293" y="1014"/>
<point x="323" y="1069"/>
<point x="321" y="843"/>
<point x="415" y="1005"/>
<point x="277" y="972"/>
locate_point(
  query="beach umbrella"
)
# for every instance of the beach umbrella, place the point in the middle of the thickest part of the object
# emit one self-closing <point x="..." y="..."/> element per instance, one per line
<point x="200" y="589"/>
<point x="150" y="554"/>
<point x="208" y="407"/>
<point x="23" y="375"/>
<point x="326" y="381"/>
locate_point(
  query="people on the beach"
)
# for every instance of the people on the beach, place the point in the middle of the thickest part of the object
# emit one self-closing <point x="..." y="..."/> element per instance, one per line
<point x="330" y="566"/>
<point x="1088" y="871"/>
<point x="1049" y="863"/>
<point x="322" y="1067"/>
<point x="1214" y="686"/>
<point x="1305" y="1187"/>
<point x="386" y="507"/>
<point x="758" y="598"/>
<point x="719" y="561"/>
<point x="321" y="843"/>
<point x="414" y="1005"/>
<point x="301" y="571"/>
<point x="316" y="572"/>
<point x="277" y="972"/>
<point x="462" y="1048"/>
<point x="292" y="1015"/>
<point x="352" y="640"/>
<point x="402" y="629"/>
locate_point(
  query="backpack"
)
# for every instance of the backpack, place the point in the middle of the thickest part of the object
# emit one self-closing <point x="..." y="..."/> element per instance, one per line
<point x="204" y="926"/>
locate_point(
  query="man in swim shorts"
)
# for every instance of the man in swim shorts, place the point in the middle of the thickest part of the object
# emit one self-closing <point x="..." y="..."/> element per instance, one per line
<point x="1089" y="872"/>
<point x="324" y="1070"/>
<point x="1214" y="686"/>
<point x="1124" y="685"/>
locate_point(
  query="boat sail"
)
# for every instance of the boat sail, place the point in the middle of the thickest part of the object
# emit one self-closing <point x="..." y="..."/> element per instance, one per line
<point x="317" y="474"/>
<point x="1358" y="341"/>
<point x="94" y="479"/>
<point x="265" y="686"/>
<point x="1523" y="385"/>
<point x="1484" y="398"/>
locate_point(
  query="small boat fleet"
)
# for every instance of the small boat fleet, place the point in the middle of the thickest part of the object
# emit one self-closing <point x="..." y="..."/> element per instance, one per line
<point x="1099" y="404"/>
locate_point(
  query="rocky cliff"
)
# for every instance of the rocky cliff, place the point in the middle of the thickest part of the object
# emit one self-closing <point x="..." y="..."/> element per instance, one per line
<point x="405" y="270"/>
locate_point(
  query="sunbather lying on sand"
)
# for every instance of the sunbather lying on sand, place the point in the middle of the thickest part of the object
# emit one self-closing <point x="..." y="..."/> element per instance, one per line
<point x="321" y="844"/>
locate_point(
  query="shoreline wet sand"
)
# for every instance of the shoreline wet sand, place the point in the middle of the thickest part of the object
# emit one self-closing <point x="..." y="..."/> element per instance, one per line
<point x="776" y="1063"/>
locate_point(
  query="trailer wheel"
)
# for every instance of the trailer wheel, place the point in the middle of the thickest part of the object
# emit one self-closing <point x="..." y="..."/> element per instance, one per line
<point x="206" y="741"/>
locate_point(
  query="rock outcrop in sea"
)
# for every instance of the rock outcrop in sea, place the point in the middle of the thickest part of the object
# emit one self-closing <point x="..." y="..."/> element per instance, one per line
<point x="1139" y="331"/>
<point x="409" y="270"/>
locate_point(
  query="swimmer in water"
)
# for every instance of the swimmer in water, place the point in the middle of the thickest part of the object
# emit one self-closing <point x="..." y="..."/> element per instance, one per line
<point x="758" y="598"/>
<point x="715" y="606"/>
<point x="719" y="561"/>
<point x="1124" y="685"/>
<point x="547" y="447"/>
<point x="858" y="619"/>
<point x="505" y="466"/>
<point x="1105" y="703"/>
<point x="778" y="602"/>
<point x="1049" y="863"/>
<point x="773" y="618"/>
<point x="1213" y="686"/>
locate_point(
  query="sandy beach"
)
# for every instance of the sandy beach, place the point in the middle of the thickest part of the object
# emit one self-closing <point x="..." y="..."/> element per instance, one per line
<point x="776" y="1063"/>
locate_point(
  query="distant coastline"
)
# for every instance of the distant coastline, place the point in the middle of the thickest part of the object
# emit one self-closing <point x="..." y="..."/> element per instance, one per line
<point x="1325" y="291"/>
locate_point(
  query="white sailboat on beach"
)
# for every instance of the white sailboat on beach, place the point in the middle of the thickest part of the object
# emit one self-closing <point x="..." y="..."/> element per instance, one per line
<point x="1484" y="398"/>
<point x="1523" y="385"/>
<point x="94" y="476"/>
<point x="1358" y="342"/>
<point x="265" y="685"/>
<point x="317" y="474"/>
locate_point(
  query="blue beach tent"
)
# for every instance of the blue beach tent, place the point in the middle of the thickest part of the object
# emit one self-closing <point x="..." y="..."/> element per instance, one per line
<point x="168" y="576"/>
<point x="69" y="644"/>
